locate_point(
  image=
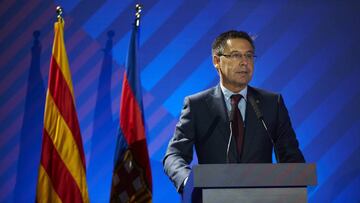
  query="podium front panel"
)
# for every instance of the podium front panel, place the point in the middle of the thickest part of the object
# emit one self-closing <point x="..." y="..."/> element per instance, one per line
<point x="251" y="195"/>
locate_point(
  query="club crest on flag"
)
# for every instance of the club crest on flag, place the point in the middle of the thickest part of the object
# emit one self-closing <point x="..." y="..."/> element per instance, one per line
<point x="129" y="181"/>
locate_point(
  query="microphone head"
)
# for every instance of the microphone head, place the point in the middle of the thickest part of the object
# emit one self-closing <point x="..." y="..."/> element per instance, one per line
<point x="255" y="107"/>
<point x="231" y="116"/>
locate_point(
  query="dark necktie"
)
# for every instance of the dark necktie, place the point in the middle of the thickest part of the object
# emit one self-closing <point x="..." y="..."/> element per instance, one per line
<point x="238" y="124"/>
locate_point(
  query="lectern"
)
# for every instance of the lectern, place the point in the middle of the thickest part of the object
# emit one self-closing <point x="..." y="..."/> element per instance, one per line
<point x="230" y="183"/>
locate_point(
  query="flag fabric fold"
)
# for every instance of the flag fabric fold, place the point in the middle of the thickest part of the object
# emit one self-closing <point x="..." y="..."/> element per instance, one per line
<point x="62" y="171"/>
<point x="131" y="181"/>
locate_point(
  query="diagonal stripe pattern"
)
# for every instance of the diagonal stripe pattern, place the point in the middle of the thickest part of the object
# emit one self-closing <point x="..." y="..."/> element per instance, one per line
<point x="305" y="51"/>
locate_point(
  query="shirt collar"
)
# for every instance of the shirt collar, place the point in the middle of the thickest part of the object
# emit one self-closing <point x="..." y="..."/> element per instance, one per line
<point x="227" y="93"/>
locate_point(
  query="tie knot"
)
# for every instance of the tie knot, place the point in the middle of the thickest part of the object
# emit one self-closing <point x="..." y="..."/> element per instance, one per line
<point x="235" y="98"/>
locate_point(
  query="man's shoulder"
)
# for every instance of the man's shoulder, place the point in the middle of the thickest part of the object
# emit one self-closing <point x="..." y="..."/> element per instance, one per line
<point x="203" y="94"/>
<point x="262" y="92"/>
<point x="216" y="91"/>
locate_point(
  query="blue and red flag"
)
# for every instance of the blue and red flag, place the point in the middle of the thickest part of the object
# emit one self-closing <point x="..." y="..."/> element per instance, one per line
<point x="131" y="181"/>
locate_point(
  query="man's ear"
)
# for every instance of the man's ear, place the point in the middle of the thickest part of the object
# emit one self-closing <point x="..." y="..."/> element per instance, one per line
<point x="216" y="61"/>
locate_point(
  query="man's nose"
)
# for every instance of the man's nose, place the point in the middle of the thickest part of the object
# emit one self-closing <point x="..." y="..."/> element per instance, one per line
<point x="243" y="61"/>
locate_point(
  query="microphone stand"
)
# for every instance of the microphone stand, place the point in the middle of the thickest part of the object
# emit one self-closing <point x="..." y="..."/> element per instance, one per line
<point x="261" y="119"/>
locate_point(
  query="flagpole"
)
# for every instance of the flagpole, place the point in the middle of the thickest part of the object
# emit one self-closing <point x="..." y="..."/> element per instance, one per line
<point x="138" y="8"/>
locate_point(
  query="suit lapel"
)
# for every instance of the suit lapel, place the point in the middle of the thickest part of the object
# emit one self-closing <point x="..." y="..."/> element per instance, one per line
<point x="216" y="104"/>
<point x="251" y="124"/>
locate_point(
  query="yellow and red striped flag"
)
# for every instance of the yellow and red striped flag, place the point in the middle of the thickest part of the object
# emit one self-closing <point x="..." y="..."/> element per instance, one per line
<point x="62" y="176"/>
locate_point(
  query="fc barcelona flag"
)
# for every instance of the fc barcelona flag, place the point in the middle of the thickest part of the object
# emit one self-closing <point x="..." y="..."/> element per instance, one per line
<point x="62" y="167"/>
<point x="131" y="181"/>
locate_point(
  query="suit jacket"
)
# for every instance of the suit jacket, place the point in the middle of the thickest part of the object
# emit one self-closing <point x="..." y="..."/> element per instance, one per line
<point x="204" y="124"/>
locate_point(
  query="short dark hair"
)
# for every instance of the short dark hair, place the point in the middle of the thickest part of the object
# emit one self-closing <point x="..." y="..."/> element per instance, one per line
<point x="219" y="43"/>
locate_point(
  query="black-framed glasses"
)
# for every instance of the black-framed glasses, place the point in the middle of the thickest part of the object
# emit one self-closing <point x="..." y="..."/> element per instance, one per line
<point x="239" y="56"/>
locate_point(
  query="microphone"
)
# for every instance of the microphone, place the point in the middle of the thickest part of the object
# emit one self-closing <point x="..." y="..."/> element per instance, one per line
<point x="260" y="117"/>
<point x="231" y="119"/>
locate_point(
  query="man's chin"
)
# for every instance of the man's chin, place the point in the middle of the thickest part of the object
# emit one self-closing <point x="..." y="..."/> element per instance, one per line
<point x="242" y="83"/>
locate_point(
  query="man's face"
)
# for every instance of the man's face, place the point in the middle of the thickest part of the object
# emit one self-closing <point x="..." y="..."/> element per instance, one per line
<point x="236" y="65"/>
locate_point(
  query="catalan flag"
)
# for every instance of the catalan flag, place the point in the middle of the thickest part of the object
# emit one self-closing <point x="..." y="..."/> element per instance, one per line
<point x="62" y="167"/>
<point x="131" y="180"/>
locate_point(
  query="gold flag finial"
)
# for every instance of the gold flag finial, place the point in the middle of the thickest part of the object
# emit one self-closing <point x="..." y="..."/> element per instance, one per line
<point x="59" y="12"/>
<point x="138" y="8"/>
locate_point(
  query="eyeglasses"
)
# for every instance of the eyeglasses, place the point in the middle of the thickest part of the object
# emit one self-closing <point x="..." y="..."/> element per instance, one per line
<point x="239" y="56"/>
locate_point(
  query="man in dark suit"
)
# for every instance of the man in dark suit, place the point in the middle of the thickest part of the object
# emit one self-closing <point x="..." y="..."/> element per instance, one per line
<point x="232" y="107"/>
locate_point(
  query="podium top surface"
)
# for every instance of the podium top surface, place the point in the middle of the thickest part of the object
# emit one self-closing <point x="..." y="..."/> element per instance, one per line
<point x="253" y="175"/>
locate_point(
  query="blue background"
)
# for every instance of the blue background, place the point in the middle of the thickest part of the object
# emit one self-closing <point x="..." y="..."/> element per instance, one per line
<point x="307" y="50"/>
